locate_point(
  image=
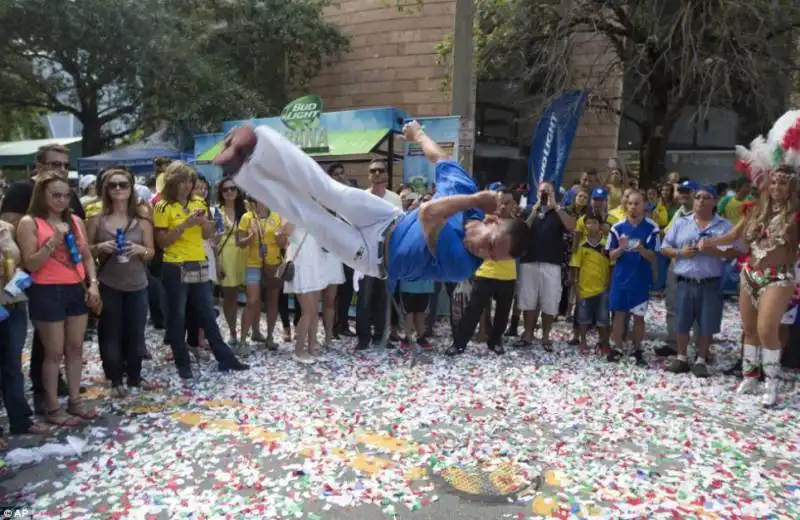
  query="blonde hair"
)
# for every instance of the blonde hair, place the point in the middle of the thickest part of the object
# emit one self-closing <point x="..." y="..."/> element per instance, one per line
<point x="177" y="172"/>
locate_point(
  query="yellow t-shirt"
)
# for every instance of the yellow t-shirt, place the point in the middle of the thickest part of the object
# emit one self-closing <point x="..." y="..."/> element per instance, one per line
<point x="268" y="226"/>
<point x="94" y="208"/>
<point x="498" y="269"/>
<point x="616" y="215"/>
<point x="660" y="215"/>
<point x="189" y="246"/>
<point x="614" y="197"/>
<point x="594" y="268"/>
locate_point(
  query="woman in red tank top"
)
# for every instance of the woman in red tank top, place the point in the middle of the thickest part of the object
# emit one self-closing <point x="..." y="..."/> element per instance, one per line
<point x="61" y="294"/>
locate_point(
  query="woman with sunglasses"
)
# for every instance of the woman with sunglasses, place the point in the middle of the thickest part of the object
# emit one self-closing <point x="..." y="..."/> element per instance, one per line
<point x="181" y="224"/>
<point x="230" y="260"/>
<point x="123" y="278"/>
<point x="55" y="252"/>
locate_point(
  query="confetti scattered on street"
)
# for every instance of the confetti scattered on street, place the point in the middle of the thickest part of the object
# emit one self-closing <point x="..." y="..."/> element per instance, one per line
<point x="526" y="435"/>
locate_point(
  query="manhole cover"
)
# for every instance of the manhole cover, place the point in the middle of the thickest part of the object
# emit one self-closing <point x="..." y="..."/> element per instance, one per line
<point x="491" y="485"/>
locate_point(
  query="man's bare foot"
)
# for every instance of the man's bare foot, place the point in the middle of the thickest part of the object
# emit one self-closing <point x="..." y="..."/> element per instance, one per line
<point x="238" y="146"/>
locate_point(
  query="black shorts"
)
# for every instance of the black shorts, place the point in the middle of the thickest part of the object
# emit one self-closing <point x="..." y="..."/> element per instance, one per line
<point x="413" y="302"/>
<point x="56" y="302"/>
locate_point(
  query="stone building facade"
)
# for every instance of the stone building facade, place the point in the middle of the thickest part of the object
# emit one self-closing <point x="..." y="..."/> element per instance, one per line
<point x="392" y="62"/>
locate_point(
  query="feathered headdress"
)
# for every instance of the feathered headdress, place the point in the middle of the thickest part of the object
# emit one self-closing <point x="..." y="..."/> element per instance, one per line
<point x="781" y="147"/>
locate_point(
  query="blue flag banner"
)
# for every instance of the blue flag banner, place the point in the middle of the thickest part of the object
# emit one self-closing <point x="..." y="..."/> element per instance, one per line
<point x="552" y="140"/>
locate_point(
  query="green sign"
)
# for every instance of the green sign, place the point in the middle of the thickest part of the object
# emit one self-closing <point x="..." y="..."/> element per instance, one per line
<point x="302" y="120"/>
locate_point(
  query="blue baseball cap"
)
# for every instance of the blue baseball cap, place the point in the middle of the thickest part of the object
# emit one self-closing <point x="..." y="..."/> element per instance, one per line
<point x="710" y="189"/>
<point x="599" y="193"/>
<point x="688" y="186"/>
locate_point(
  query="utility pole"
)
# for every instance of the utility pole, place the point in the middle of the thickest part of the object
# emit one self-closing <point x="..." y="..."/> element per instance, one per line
<point x="461" y="103"/>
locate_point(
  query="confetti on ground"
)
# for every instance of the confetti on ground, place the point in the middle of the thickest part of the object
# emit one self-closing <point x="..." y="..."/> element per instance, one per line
<point x="362" y="436"/>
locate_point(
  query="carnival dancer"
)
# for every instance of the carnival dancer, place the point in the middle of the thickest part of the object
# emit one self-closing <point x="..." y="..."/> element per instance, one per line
<point x="769" y="227"/>
<point x="446" y="239"/>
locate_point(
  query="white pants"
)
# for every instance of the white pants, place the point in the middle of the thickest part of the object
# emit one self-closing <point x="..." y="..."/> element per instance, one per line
<point x="286" y="180"/>
<point x="539" y="287"/>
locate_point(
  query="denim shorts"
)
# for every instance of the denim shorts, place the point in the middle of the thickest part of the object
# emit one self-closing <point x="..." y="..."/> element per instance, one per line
<point x="594" y="310"/>
<point x="252" y="276"/>
<point x="698" y="302"/>
<point x="56" y="302"/>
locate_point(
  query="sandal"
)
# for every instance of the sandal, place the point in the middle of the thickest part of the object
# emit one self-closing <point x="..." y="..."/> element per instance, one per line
<point x="199" y="354"/>
<point x="78" y="409"/>
<point x="38" y="428"/>
<point x="60" y="418"/>
<point x="118" y="392"/>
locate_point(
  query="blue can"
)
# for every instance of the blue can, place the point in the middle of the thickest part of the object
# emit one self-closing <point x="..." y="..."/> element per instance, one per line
<point x="72" y="247"/>
<point x="219" y="223"/>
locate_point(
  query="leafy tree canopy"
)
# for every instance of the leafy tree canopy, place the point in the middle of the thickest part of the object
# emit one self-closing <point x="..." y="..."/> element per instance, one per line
<point x="674" y="56"/>
<point x="120" y="64"/>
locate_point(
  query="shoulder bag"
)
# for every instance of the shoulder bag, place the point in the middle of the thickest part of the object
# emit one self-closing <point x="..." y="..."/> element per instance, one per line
<point x="285" y="271"/>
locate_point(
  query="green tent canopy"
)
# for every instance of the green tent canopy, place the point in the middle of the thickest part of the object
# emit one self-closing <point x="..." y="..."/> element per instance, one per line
<point x="362" y="142"/>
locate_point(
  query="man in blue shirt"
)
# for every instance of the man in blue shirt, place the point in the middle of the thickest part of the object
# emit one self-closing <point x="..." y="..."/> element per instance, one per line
<point x="445" y="239"/>
<point x="632" y="244"/>
<point x="698" y="294"/>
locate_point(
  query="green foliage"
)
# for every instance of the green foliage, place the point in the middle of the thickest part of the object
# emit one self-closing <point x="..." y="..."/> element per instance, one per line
<point x="118" y="65"/>
<point x="21" y="124"/>
<point x="675" y="56"/>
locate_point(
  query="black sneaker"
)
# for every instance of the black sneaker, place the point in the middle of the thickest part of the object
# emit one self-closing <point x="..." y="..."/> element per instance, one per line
<point x="497" y="349"/>
<point x="665" y="351"/>
<point x="678" y="366"/>
<point x="614" y="356"/>
<point x="638" y="357"/>
<point x="63" y="389"/>
<point x="454" y="350"/>
<point x="700" y="370"/>
<point x="185" y="372"/>
<point x="362" y="344"/>
<point x="233" y="366"/>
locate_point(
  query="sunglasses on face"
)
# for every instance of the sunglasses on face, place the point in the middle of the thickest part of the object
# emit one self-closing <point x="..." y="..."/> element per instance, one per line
<point x="229" y="189"/>
<point x="59" y="195"/>
<point x="118" y="185"/>
<point x="377" y="170"/>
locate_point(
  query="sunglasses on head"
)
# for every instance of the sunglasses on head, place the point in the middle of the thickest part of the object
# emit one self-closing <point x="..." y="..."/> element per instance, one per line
<point x="118" y="185"/>
<point x="229" y="189"/>
<point x="377" y="170"/>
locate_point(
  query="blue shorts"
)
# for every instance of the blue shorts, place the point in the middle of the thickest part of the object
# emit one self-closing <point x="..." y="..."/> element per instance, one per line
<point x="593" y="310"/>
<point x="621" y="300"/>
<point x="252" y="276"/>
<point x="56" y="302"/>
<point x="698" y="302"/>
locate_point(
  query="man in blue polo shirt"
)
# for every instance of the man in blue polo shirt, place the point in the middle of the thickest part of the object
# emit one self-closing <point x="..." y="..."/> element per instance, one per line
<point x="698" y="297"/>
<point x="446" y="239"/>
<point x="631" y="245"/>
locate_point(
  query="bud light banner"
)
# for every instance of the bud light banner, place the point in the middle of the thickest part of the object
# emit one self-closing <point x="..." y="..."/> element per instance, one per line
<point x="443" y="130"/>
<point x="552" y="140"/>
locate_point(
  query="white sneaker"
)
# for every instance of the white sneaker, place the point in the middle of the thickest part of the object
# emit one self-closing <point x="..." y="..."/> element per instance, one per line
<point x="303" y="358"/>
<point x="770" y="396"/>
<point x="748" y="385"/>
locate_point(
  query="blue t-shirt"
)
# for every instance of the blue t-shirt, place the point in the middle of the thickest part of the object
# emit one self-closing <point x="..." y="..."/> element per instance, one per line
<point x="409" y="257"/>
<point x="633" y="274"/>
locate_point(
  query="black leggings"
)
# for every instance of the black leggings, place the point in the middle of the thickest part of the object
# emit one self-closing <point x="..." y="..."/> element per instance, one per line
<point x="283" y="310"/>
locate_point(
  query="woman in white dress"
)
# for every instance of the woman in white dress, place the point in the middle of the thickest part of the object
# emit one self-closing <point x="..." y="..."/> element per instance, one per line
<point x="315" y="272"/>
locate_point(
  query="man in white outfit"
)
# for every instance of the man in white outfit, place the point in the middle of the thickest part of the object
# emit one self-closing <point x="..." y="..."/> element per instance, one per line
<point x="445" y="239"/>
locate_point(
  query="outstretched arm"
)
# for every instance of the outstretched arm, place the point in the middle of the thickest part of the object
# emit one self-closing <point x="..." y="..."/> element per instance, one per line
<point x="434" y="214"/>
<point x="413" y="133"/>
